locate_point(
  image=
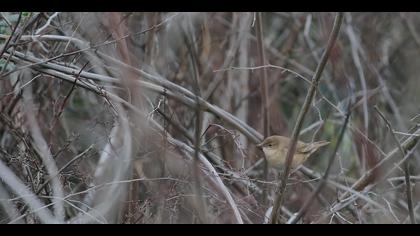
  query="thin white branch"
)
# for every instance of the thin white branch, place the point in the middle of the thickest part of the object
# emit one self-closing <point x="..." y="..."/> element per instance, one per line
<point x="47" y="23"/>
<point x="11" y="180"/>
<point x="41" y="146"/>
<point x="8" y="206"/>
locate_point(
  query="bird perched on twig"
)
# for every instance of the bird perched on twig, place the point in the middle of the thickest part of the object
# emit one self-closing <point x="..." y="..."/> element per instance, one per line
<point x="275" y="150"/>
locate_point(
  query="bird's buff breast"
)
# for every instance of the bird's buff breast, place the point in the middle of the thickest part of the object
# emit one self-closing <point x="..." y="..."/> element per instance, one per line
<point x="277" y="158"/>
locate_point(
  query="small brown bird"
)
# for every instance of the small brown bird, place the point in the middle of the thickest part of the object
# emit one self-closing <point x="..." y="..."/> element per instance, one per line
<point x="275" y="150"/>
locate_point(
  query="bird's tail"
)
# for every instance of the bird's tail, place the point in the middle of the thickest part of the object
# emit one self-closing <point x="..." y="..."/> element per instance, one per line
<point x="313" y="147"/>
<point x="320" y="143"/>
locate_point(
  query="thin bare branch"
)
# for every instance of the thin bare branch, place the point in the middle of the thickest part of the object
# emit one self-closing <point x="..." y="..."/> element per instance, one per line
<point x="299" y="123"/>
<point x="406" y="167"/>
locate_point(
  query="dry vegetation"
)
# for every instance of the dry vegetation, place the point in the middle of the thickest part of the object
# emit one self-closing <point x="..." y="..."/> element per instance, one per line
<point x="153" y="117"/>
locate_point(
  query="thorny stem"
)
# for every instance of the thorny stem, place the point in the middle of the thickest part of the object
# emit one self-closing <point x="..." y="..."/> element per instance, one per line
<point x="406" y="168"/>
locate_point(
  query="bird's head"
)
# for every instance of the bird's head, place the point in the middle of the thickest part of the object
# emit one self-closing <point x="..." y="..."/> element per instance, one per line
<point x="272" y="143"/>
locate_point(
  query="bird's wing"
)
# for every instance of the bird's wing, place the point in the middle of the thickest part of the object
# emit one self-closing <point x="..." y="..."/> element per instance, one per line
<point x="306" y="148"/>
<point x="303" y="148"/>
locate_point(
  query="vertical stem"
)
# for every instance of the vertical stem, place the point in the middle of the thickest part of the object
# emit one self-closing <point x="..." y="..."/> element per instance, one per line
<point x="265" y="111"/>
<point x="201" y="209"/>
<point x="199" y="201"/>
<point x="263" y="76"/>
<point x="298" y="126"/>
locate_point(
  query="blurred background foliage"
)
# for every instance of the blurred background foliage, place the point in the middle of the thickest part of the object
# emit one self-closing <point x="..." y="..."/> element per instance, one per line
<point x="215" y="56"/>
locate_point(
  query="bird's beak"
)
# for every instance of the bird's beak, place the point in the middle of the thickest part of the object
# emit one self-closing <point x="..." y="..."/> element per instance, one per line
<point x="259" y="145"/>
